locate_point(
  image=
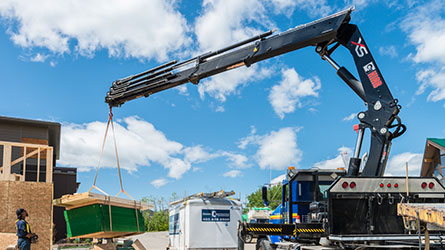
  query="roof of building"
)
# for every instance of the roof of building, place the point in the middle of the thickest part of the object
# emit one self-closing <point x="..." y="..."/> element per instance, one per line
<point x="439" y="141"/>
<point x="53" y="129"/>
<point x="431" y="155"/>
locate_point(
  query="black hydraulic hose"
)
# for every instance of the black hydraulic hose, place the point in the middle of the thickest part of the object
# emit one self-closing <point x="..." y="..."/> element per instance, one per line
<point x="400" y="128"/>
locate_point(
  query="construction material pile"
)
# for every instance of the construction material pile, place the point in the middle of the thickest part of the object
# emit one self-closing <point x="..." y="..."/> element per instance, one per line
<point x="90" y="215"/>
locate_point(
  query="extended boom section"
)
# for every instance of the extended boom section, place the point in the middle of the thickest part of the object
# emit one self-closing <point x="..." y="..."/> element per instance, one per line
<point x="255" y="49"/>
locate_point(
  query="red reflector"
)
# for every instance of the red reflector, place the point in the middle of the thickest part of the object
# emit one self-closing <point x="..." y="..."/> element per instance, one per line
<point x="389" y="185"/>
<point x="344" y="185"/>
<point x="381" y="185"/>
<point x="352" y="185"/>
<point x="424" y="185"/>
<point x="396" y="185"/>
<point x="431" y="185"/>
<point x="356" y="128"/>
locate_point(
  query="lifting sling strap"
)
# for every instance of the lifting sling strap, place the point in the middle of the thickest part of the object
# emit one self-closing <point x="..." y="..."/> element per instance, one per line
<point x="110" y="121"/>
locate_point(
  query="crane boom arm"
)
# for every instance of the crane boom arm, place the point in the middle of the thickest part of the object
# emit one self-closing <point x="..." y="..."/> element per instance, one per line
<point x="326" y="34"/>
<point x="260" y="48"/>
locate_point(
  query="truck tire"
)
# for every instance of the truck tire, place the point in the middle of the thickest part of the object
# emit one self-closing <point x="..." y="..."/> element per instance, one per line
<point x="248" y="238"/>
<point x="263" y="244"/>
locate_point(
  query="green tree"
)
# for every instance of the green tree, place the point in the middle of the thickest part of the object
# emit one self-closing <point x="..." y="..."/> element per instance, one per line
<point x="157" y="219"/>
<point x="273" y="195"/>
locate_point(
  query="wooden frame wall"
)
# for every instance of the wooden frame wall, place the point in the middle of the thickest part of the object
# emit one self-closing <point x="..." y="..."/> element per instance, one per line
<point x="33" y="149"/>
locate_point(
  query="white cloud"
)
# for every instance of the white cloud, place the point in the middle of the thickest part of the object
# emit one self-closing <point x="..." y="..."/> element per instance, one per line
<point x="196" y="169"/>
<point x="390" y="51"/>
<point x="425" y="27"/>
<point x="222" y="23"/>
<point x="426" y="30"/>
<point x="359" y="4"/>
<point x="38" y="58"/>
<point x="232" y="174"/>
<point x="237" y="160"/>
<point x="278" y="180"/>
<point x="286" y="7"/>
<point x="397" y="164"/>
<point x="277" y="150"/>
<point x="400" y="4"/>
<point x="434" y="78"/>
<point x="80" y="146"/>
<point x="133" y="28"/>
<point x="252" y="138"/>
<point x="159" y="182"/>
<point x="340" y="161"/>
<point x="350" y="117"/>
<point x="197" y="154"/>
<point x="220" y="109"/>
<point x="287" y="95"/>
<point x="229" y="82"/>
<point x="314" y="8"/>
<point x="182" y="89"/>
<point x="139" y="144"/>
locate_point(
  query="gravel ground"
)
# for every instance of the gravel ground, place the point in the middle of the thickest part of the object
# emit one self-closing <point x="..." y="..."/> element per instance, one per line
<point x="152" y="240"/>
<point x="159" y="241"/>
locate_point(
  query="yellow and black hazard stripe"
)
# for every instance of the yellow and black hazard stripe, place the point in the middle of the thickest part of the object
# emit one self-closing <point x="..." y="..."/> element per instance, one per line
<point x="310" y="230"/>
<point x="269" y="229"/>
<point x="264" y="229"/>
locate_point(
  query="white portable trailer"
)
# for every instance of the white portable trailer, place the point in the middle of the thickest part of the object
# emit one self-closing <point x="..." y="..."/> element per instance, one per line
<point x="203" y="222"/>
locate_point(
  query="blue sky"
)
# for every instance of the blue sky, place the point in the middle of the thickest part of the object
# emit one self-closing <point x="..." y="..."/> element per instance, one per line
<point x="234" y="131"/>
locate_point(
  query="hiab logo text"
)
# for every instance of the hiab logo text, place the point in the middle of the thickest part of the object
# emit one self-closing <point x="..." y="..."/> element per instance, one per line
<point x="372" y="74"/>
<point x="369" y="67"/>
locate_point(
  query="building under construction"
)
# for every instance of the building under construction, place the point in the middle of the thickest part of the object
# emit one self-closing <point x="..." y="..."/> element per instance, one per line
<point x="29" y="178"/>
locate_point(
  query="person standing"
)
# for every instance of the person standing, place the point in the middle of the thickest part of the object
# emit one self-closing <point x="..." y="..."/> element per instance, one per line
<point x="23" y="230"/>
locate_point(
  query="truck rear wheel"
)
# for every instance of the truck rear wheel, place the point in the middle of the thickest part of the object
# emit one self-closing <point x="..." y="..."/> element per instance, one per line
<point x="248" y="238"/>
<point x="263" y="244"/>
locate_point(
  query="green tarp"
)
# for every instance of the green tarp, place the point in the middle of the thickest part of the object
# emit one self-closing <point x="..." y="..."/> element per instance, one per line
<point x="96" y="218"/>
<point x="261" y="208"/>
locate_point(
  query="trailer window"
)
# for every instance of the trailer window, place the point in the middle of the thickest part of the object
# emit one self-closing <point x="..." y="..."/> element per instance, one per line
<point x="174" y="224"/>
<point x="323" y="190"/>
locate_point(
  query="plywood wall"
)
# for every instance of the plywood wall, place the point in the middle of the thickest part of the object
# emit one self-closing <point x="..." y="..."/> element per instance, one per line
<point x="36" y="198"/>
<point x="7" y="239"/>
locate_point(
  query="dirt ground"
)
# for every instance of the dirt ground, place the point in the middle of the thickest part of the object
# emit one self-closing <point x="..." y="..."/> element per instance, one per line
<point x="159" y="241"/>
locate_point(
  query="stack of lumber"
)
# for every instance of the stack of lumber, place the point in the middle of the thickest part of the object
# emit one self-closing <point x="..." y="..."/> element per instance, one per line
<point x="433" y="213"/>
<point x="90" y="215"/>
<point x="36" y="198"/>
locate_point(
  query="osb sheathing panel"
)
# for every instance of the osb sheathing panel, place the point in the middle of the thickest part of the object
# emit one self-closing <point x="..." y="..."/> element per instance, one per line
<point x="36" y="198"/>
<point x="7" y="239"/>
